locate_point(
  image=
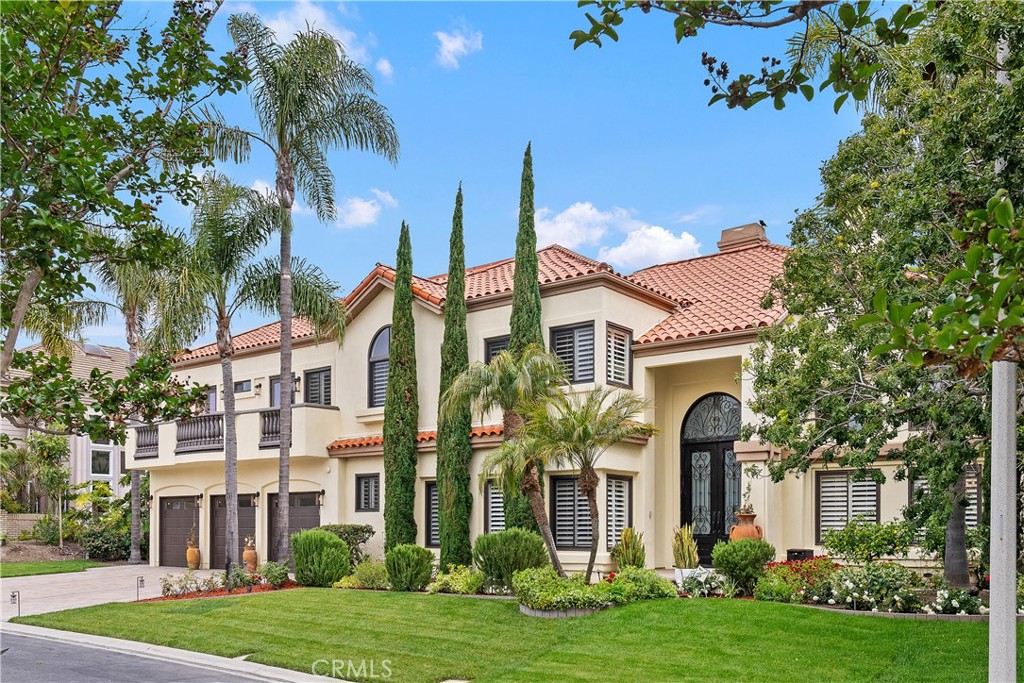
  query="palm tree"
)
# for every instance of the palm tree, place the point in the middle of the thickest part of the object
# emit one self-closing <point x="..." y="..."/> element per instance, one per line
<point x="308" y="96"/>
<point x="512" y="384"/>
<point x="576" y="429"/>
<point x="218" y="276"/>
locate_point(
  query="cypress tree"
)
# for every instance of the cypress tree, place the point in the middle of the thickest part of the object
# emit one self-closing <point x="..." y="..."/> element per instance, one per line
<point x="455" y="499"/>
<point x="401" y="409"/>
<point x="525" y="323"/>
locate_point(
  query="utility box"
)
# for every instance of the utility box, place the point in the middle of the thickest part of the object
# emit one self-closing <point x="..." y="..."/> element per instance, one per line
<point x="795" y="554"/>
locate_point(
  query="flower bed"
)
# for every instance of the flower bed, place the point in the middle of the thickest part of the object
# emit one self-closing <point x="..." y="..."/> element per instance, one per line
<point x="224" y="592"/>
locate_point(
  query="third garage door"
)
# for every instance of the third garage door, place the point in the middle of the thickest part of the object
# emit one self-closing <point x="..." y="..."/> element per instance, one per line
<point x="304" y="514"/>
<point x="178" y="516"/>
<point x="218" y="522"/>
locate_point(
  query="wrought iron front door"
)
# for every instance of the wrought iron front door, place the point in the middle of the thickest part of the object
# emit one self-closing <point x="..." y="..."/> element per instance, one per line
<point x="711" y="493"/>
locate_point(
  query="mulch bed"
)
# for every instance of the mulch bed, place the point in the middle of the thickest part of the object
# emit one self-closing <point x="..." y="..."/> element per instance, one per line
<point x="224" y="592"/>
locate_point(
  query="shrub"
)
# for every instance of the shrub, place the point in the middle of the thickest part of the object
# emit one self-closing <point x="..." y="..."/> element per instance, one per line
<point x="633" y="584"/>
<point x="1020" y="593"/>
<point x="542" y="588"/>
<point x="347" y="582"/>
<point x="630" y="551"/>
<point x="743" y="561"/>
<point x="353" y="534"/>
<point x="954" y="601"/>
<point x="242" y="577"/>
<point x="187" y="583"/>
<point x="810" y="581"/>
<point x="372" y="574"/>
<point x="274" y="573"/>
<point x="864" y="542"/>
<point x="500" y="555"/>
<point x="879" y="586"/>
<point x="458" y="579"/>
<point x="701" y="585"/>
<point x="106" y="543"/>
<point x="779" y="584"/>
<point x="409" y="567"/>
<point x="684" y="548"/>
<point x="321" y="558"/>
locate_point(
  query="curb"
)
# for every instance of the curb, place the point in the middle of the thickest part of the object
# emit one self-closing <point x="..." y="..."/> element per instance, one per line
<point x="200" y="660"/>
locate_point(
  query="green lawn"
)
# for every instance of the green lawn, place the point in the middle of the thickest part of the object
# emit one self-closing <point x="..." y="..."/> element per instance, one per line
<point x="9" y="570"/>
<point x="433" y="637"/>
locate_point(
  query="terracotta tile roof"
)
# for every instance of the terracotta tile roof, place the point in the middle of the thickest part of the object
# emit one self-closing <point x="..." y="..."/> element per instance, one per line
<point x="720" y="292"/>
<point x="422" y="437"/>
<point x="261" y="336"/>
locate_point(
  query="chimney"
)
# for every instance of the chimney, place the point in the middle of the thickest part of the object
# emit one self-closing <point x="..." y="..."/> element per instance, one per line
<point x="742" y="236"/>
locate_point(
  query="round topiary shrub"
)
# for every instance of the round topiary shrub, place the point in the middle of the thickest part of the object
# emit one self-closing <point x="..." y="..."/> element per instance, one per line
<point x="321" y="558"/>
<point x="500" y="555"/>
<point x="410" y="567"/>
<point x="743" y="561"/>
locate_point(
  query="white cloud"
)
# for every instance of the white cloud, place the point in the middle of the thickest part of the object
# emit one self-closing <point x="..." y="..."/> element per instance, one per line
<point x="303" y="14"/>
<point x="357" y="212"/>
<point x="451" y="47"/>
<point x="265" y="188"/>
<point x="700" y="213"/>
<point x="385" y="69"/>
<point x="385" y="197"/>
<point x="648" y="245"/>
<point x="580" y="224"/>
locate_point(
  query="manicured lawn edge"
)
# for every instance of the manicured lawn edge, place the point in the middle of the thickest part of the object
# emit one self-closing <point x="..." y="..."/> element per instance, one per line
<point x="11" y="570"/>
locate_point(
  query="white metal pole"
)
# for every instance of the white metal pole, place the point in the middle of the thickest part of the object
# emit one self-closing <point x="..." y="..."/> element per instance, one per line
<point x="1002" y="625"/>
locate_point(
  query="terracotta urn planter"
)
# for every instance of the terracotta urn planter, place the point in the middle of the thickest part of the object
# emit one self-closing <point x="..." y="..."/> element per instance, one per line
<point x="250" y="558"/>
<point x="746" y="527"/>
<point x="192" y="557"/>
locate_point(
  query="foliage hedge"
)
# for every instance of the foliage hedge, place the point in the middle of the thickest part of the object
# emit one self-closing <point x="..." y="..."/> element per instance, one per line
<point x="501" y="554"/>
<point x="321" y="558"/>
<point x="743" y="561"/>
<point x="409" y="567"/>
<point x="458" y="579"/>
<point x="542" y="588"/>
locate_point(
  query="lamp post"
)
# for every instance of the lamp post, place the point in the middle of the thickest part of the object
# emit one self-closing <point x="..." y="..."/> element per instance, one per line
<point x="16" y="600"/>
<point x="140" y="583"/>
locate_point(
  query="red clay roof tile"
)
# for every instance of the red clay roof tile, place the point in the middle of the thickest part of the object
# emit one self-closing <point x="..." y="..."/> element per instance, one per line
<point x="422" y="437"/>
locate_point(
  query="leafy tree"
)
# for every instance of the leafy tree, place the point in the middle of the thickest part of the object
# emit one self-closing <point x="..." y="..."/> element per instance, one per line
<point x="49" y="457"/>
<point x="98" y="127"/>
<point x="525" y="321"/>
<point x="401" y="409"/>
<point x="454" y="451"/>
<point x="577" y="429"/>
<point x="309" y="97"/>
<point x="858" y="32"/>
<point x="512" y="384"/>
<point x="220" y="274"/>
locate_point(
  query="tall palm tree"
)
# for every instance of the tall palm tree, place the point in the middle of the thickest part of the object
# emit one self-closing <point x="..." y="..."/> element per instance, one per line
<point x="577" y="429"/>
<point x="219" y="275"/>
<point x="512" y="384"/>
<point x="308" y="96"/>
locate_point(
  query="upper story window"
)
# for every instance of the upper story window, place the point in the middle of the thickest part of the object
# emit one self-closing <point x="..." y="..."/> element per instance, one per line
<point x="100" y="458"/>
<point x="317" y="387"/>
<point x="574" y="345"/>
<point x="619" y="360"/>
<point x="211" y="400"/>
<point x="494" y="346"/>
<point x="380" y="350"/>
<point x="243" y="386"/>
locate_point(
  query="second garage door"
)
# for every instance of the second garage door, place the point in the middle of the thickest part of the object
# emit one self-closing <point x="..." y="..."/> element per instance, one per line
<point x="304" y="514"/>
<point x="178" y="516"/>
<point x="218" y="521"/>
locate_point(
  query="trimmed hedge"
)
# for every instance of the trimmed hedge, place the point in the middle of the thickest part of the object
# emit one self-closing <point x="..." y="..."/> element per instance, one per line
<point x="501" y="554"/>
<point x="409" y="567"/>
<point x="743" y="561"/>
<point x="321" y="558"/>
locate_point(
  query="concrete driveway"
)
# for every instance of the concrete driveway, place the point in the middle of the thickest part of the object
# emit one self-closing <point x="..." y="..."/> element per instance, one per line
<point x="53" y="592"/>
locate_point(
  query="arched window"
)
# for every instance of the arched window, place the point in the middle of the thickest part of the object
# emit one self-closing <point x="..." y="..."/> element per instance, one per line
<point x="380" y="349"/>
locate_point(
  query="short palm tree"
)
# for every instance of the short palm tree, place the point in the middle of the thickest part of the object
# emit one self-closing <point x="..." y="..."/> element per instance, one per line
<point x="309" y="97"/>
<point x="218" y="276"/>
<point x="512" y="384"/>
<point x="576" y="429"/>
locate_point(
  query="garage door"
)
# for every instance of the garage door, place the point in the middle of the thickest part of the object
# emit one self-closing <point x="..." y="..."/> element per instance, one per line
<point x="218" y="523"/>
<point x="304" y="514"/>
<point x="178" y="516"/>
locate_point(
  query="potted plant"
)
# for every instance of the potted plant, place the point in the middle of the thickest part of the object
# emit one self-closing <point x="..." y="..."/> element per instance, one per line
<point x="192" y="551"/>
<point x="249" y="556"/>
<point x="684" y="553"/>
<point x="745" y="513"/>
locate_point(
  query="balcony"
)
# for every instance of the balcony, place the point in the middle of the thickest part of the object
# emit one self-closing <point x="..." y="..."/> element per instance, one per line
<point x="200" y="433"/>
<point x="270" y="428"/>
<point x="147" y="444"/>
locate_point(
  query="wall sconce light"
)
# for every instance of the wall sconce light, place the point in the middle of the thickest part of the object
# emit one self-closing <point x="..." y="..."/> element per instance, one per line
<point x="259" y="388"/>
<point x="295" y="381"/>
<point x="256" y="499"/>
<point x="199" y="501"/>
<point x="320" y="497"/>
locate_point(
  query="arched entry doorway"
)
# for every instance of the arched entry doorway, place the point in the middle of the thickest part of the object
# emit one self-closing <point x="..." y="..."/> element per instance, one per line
<point x="710" y="473"/>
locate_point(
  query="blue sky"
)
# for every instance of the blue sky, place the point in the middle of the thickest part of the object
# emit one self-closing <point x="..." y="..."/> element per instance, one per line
<point x="631" y="165"/>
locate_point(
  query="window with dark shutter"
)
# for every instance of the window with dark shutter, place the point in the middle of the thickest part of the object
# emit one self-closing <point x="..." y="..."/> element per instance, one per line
<point x="367" y="492"/>
<point x="380" y="351"/>
<point x="840" y="499"/>
<point x="618" y="355"/>
<point x="570" y="514"/>
<point x="494" y="346"/>
<point x="494" y="509"/>
<point x="973" y="491"/>
<point x="619" y="506"/>
<point x="433" y="535"/>
<point x="574" y="346"/>
<point x="318" y="387"/>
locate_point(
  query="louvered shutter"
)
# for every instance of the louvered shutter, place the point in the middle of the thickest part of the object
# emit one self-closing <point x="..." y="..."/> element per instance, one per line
<point x="973" y="490"/>
<point x="574" y="346"/>
<point x="618" y="355"/>
<point x="433" y="533"/>
<point x="318" y="387"/>
<point x="864" y="500"/>
<point x="368" y="495"/>
<point x="618" y="508"/>
<point x="378" y="383"/>
<point x="495" y="502"/>
<point x="564" y="492"/>
<point x="495" y="346"/>
<point x="833" y="501"/>
<point x="563" y="345"/>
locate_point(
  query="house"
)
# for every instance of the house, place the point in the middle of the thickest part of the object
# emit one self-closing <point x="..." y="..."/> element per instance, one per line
<point x="90" y="460"/>
<point x="677" y="332"/>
